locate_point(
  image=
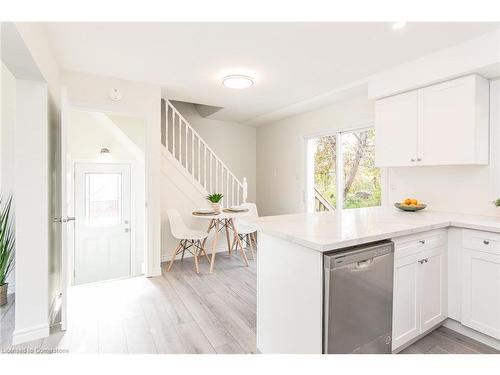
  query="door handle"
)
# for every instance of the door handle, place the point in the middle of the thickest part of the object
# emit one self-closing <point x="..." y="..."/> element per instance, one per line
<point x="61" y="220"/>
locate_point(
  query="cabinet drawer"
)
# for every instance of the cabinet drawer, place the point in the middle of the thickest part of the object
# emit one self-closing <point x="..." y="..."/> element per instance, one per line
<point x="487" y="242"/>
<point x="416" y="243"/>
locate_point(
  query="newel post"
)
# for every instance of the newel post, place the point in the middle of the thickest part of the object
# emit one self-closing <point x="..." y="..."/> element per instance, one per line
<point x="245" y="190"/>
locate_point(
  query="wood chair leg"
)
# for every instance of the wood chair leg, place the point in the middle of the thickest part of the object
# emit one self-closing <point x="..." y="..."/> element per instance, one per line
<point x="238" y="241"/>
<point x="214" y="246"/>
<point x="254" y="239"/>
<point x="174" y="254"/>
<point x="183" y="250"/>
<point x="196" y="264"/>
<point x="227" y="237"/>
<point x="202" y="250"/>
<point x="251" y="246"/>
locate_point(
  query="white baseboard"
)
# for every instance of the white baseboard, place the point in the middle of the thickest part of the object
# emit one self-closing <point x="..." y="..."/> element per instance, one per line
<point x="31" y="333"/>
<point x="155" y="272"/>
<point x="473" y="334"/>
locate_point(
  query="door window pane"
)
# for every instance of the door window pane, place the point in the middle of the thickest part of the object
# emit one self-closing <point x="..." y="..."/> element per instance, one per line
<point x="103" y="199"/>
<point x="325" y="176"/>
<point x="361" y="177"/>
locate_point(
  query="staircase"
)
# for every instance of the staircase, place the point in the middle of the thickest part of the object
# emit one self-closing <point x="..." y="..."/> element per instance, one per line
<point x="194" y="158"/>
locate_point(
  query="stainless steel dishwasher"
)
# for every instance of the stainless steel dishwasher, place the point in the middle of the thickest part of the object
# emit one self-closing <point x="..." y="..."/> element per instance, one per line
<point x="358" y="299"/>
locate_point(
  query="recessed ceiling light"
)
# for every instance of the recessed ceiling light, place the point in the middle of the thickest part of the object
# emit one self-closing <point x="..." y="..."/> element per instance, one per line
<point x="237" y="82"/>
<point x="398" y="25"/>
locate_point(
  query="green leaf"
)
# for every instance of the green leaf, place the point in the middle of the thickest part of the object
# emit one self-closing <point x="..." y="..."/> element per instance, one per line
<point x="7" y="240"/>
<point x="214" y="197"/>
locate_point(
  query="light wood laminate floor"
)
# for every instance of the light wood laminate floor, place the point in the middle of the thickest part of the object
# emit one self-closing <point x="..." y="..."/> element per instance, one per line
<point x="179" y="312"/>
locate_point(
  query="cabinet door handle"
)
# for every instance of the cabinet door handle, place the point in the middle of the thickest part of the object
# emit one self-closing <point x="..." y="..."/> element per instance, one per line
<point x="412" y="159"/>
<point x="421" y="261"/>
<point x="422" y="242"/>
<point x="418" y="159"/>
<point x="486" y="242"/>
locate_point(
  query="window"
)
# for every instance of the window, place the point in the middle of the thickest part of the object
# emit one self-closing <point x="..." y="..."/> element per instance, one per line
<point x="103" y="201"/>
<point x="343" y="171"/>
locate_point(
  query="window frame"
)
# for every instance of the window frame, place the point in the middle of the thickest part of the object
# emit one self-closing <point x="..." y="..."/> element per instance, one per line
<point x="339" y="166"/>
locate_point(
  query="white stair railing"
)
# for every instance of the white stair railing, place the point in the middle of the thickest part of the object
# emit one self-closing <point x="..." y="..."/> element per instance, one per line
<point x="199" y="160"/>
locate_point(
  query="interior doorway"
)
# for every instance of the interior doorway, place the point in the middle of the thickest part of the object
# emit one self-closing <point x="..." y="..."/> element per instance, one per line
<point x="105" y="195"/>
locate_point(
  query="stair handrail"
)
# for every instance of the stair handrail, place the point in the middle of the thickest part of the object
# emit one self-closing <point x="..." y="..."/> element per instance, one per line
<point x="242" y="185"/>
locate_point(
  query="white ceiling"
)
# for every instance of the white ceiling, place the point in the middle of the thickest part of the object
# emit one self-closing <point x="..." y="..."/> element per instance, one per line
<point x="291" y="62"/>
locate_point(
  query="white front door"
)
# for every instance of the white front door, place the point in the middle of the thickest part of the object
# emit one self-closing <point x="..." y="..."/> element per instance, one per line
<point x="102" y="225"/>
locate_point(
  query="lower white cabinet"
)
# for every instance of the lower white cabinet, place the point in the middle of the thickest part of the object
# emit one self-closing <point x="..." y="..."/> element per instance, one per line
<point x="420" y="286"/>
<point x="481" y="282"/>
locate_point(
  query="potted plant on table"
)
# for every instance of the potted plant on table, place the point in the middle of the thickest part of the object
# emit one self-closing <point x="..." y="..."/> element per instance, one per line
<point x="215" y="200"/>
<point x="496" y="202"/>
<point x="7" y="247"/>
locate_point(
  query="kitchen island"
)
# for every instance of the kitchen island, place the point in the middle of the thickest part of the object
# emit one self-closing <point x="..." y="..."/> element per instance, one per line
<point x="290" y="267"/>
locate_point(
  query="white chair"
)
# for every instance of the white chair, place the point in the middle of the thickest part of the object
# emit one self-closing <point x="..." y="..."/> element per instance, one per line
<point x="247" y="233"/>
<point x="189" y="239"/>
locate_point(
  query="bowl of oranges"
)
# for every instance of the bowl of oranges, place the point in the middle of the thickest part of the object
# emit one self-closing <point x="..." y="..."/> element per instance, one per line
<point x="410" y="204"/>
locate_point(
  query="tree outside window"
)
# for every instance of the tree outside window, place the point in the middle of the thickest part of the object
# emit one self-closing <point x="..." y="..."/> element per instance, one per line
<point x="358" y="175"/>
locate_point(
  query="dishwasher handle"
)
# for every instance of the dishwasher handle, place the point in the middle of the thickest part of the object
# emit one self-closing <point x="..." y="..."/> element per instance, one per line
<point x="362" y="264"/>
<point x="360" y="256"/>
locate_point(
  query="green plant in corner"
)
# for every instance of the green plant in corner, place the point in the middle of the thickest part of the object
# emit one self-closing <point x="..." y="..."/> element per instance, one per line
<point x="215" y="197"/>
<point x="496" y="202"/>
<point x="7" y="247"/>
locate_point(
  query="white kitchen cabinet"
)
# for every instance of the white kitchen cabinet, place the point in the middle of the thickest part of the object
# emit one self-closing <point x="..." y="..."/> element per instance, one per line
<point x="442" y="124"/>
<point x="481" y="282"/>
<point x="396" y="120"/>
<point x="420" y="285"/>
<point x="433" y="283"/>
<point x="406" y="314"/>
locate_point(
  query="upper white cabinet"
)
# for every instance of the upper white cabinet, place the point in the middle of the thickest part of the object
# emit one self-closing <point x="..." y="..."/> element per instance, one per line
<point x="442" y="124"/>
<point x="396" y="124"/>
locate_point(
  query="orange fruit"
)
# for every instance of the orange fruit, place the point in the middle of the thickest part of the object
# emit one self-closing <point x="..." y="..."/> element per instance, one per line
<point x="407" y="201"/>
<point x="414" y="202"/>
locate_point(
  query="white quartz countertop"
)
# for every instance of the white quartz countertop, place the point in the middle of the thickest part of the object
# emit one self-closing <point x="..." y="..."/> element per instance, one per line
<point x="327" y="231"/>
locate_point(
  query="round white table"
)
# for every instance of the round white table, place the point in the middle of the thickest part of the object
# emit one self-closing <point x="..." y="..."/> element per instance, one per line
<point x="224" y="220"/>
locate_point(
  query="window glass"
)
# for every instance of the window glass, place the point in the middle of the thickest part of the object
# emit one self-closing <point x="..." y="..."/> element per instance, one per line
<point x="358" y="175"/>
<point x="103" y="199"/>
<point x="325" y="176"/>
<point x="361" y="177"/>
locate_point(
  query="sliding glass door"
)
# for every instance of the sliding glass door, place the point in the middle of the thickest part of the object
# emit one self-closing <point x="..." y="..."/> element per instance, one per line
<point x="342" y="170"/>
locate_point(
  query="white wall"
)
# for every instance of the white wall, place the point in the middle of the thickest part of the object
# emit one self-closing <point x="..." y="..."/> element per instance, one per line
<point x="468" y="189"/>
<point x="31" y="212"/>
<point x="480" y="55"/>
<point x="90" y="92"/>
<point x="234" y="143"/>
<point x="36" y="41"/>
<point x="26" y="53"/>
<point x="7" y="140"/>
<point x="87" y="133"/>
<point x="7" y="128"/>
<point x="281" y="152"/>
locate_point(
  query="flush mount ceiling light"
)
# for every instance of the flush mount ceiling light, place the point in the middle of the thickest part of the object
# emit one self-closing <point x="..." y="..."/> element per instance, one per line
<point x="237" y="82"/>
<point x="398" y="25"/>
